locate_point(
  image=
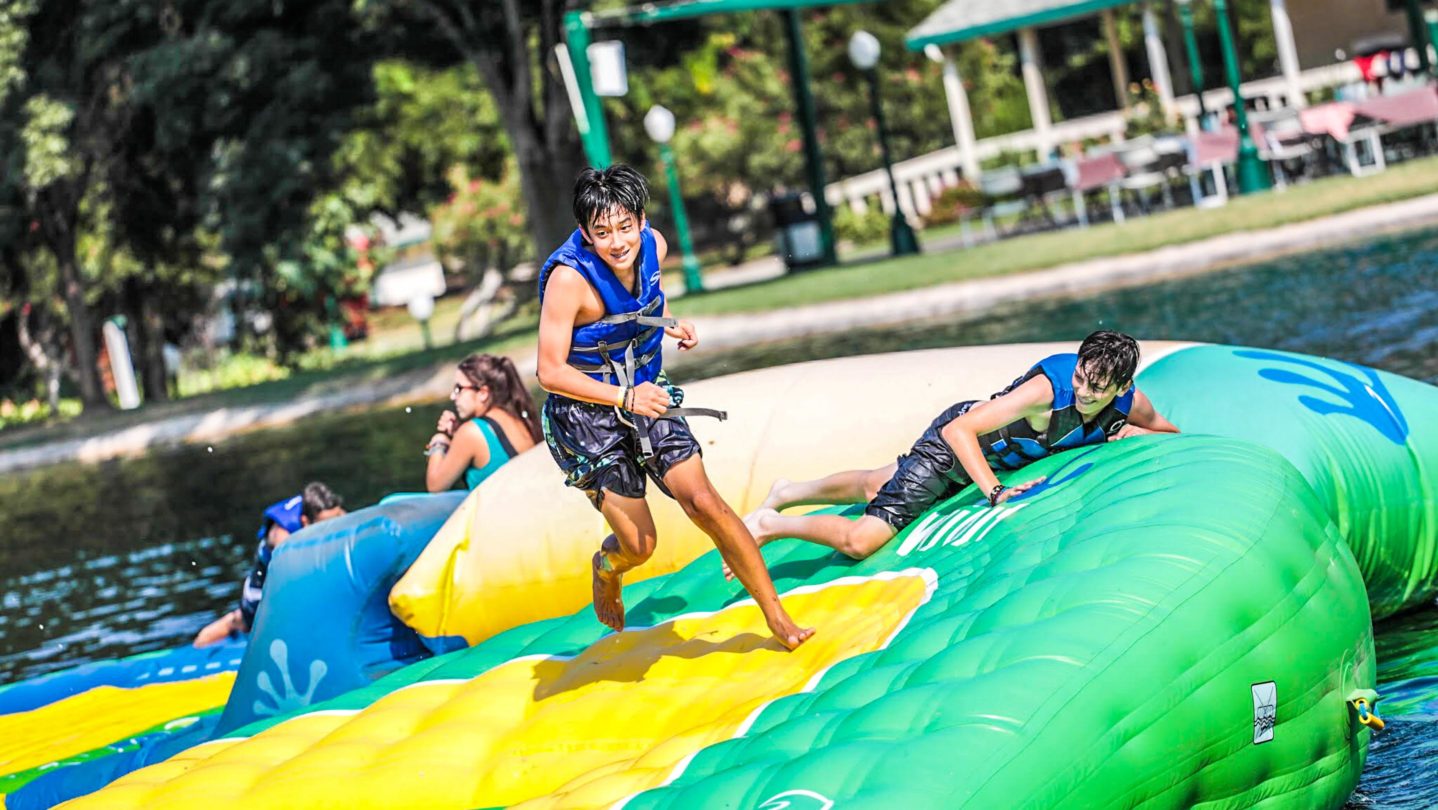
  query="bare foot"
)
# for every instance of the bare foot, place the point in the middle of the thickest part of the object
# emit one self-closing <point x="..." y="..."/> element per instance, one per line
<point x="772" y="500"/>
<point x="608" y="594"/>
<point x="759" y="523"/>
<point x="786" y="631"/>
<point x="754" y="522"/>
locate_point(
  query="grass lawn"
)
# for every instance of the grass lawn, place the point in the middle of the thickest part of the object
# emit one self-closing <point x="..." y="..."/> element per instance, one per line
<point x="395" y="346"/>
<point x="356" y="369"/>
<point x="1043" y="250"/>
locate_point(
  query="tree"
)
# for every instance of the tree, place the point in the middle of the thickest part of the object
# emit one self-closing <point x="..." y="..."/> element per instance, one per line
<point x="728" y="86"/>
<point x="52" y="86"/>
<point x="510" y="44"/>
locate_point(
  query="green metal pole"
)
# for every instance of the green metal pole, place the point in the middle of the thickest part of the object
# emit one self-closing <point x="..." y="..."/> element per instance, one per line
<point x="1195" y="65"/>
<point x="693" y="279"/>
<point x="1253" y="174"/>
<point x="1432" y="19"/>
<point x="592" y="132"/>
<point x="1418" y="32"/>
<point x="804" y="101"/>
<point x="901" y="237"/>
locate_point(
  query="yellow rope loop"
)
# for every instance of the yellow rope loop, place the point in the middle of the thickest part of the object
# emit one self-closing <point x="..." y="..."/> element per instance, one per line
<point x="1366" y="716"/>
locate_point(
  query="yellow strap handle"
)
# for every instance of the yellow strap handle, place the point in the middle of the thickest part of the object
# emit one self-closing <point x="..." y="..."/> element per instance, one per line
<point x="1366" y="715"/>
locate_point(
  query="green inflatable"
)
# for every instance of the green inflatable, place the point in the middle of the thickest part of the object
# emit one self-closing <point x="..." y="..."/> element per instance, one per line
<point x="1166" y="622"/>
<point x="1365" y="440"/>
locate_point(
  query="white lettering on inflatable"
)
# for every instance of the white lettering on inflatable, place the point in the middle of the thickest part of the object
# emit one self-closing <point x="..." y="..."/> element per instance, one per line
<point x="959" y="528"/>
<point x="797" y="800"/>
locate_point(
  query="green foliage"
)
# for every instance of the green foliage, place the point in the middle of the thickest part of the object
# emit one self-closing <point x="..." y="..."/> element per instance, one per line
<point x="237" y="370"/>
<point x="48" y="157"/>
<point x="13" y="38"/>
<point x="861" y="229"/>
<point x="997" y="99"/>
<point x="952" y="203"/>
<point x="482" y="224"/>
<point x="423" y="122"/>
<point x="1145" y="116"/>
<point x="35" y="412"/>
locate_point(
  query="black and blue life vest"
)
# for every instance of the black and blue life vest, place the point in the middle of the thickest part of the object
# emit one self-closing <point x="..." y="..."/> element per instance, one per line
<point x="285" y="514"/>
<point x="1018" y="444"/>
<point x="625" y="346"/>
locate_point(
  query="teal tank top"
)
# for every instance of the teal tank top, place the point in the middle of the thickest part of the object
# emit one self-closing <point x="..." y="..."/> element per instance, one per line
<point x="500" y="451"/>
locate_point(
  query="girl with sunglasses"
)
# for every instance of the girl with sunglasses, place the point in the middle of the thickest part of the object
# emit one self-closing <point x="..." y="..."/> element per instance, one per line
<point x="493" y="421"/>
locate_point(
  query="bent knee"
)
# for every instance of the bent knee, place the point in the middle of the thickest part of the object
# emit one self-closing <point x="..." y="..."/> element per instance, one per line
<point x="861" y="542"/>
<point x="703" y="505"/>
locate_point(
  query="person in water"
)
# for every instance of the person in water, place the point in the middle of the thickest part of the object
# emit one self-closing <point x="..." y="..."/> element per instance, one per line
<point x="493" y="421"/>
<point x="612" y="417"/>
<point x="281" y="519"/>
<point x="1064" y="401"/>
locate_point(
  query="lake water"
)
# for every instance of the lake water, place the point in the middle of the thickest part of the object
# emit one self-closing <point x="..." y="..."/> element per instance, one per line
<point x="107" y="560"/>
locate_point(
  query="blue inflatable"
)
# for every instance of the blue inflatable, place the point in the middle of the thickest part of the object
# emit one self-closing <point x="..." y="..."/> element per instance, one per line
<point x="324" y="626"/>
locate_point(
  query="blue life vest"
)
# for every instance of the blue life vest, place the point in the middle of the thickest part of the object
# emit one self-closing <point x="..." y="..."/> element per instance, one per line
<point x="1018" y="444"/>
<point x="285" y="514"/>
<point x="623" y="347"/>
<point x="500" y="451"/>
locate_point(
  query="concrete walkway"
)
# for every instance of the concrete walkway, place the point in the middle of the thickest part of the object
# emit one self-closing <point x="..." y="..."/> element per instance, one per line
<point x="725" y="331"/>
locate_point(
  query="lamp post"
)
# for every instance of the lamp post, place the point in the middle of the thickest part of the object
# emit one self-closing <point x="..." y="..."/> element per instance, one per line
<point x="659" y="123"/>
<point x="1195" y="65"/>
<point x="864" y="53"/>
<point x="1252" y="171"/>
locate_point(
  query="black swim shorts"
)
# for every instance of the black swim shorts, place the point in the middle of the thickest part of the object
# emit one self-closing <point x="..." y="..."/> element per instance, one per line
<point x="927" y="474"/>
<point x="598" y="452"/>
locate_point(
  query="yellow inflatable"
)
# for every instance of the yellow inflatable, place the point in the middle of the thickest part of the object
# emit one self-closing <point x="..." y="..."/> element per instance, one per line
<point x="518" y="549"/>
<point x="505" y="736"/>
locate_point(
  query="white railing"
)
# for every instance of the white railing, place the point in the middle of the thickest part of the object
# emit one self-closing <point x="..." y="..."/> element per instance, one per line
<point x="920" y="179"/>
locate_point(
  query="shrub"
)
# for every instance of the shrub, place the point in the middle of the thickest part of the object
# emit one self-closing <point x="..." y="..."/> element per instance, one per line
<point x="952" y="203"/>
<point x="861" y="229"/>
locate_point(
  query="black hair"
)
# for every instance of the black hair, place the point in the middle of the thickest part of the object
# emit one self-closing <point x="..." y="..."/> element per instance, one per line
<point x="599" y="191"/>
<point x="318" y="498"/>
<point x="1109" y="358"/>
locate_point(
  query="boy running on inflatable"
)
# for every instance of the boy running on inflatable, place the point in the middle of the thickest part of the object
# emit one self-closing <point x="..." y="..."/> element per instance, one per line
<point x="611" y="417"/>
<point x="1063" y="402"/>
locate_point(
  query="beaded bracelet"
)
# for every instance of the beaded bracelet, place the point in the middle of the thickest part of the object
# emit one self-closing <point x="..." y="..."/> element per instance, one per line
<point x="995" y="493"/>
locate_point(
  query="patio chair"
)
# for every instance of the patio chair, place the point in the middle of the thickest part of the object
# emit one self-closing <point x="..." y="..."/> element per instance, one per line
<point x="1285" y="145"/>
<point x="1041" y="183"/>
<point x="1003" y="190"/>
<point x="1146" y="170"/>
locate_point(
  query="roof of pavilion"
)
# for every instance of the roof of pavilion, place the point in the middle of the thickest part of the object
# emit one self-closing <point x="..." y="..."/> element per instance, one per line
<point x="958" y="20"/>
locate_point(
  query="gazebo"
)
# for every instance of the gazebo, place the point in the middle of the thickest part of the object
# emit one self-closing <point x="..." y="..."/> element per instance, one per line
<point x="961" y="20"/>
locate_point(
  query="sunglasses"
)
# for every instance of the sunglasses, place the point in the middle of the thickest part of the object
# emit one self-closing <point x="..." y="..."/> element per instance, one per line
<point x="458" y="388"/>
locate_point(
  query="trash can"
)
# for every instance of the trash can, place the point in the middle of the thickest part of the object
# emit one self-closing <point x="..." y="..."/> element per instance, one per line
<point x="797" y="236"/>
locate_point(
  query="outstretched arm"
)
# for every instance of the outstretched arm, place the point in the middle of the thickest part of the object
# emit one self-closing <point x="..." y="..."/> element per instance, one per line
<point x="1143" y="418"/>
<point x="1028" y="400"/>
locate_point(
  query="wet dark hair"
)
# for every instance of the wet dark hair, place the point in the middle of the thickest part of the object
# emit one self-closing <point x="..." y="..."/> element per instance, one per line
<point x="1109" y="358"/>
<point x="599" y="191"/>
<point x="506" y="389"/>
<point x="318" y="498"/>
